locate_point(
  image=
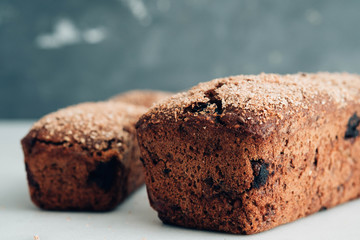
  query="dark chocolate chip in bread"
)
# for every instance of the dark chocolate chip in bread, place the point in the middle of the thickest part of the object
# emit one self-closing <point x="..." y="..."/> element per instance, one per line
<point x="105" y="173"/>
<point x="260" y="173"/>
<point x="352" y="131"/>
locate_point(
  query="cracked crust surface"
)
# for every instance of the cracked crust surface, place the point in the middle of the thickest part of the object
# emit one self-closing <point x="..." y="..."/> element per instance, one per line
<point x="238" y="154"/>
<point x="91" y="125"/>
<point x="84" y="157"/>
<point x="262" y="102"/>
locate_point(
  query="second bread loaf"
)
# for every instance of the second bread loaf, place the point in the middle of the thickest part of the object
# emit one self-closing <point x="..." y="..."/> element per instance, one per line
<point x="85" y="157"/>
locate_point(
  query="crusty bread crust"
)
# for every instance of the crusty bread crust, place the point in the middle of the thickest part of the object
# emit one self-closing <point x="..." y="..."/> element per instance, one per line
<point x="247" y="153"/>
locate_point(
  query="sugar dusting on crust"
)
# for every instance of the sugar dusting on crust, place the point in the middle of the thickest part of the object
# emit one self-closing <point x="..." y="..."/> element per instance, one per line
<point x="258" y="99"/>
<point x="89" y="124"/>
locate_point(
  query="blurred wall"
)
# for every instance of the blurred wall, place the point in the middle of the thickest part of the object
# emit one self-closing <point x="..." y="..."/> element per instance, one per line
<point x="57" y="53"/>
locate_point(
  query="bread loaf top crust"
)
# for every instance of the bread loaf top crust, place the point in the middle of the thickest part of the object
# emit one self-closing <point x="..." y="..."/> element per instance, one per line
<point x="260" y="104"/>
<point x="91" y="125"/>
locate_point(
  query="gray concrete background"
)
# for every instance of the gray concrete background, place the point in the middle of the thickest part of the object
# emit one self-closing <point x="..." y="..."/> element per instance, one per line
<point x="57" y="53"/>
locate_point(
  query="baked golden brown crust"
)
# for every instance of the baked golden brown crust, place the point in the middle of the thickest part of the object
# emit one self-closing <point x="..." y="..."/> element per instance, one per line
<point x="247" y="153"/>
<point x="84" y="157"/>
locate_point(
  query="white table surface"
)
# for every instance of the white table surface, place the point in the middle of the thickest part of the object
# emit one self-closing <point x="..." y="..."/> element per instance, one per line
<point x="134" y="219"/>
